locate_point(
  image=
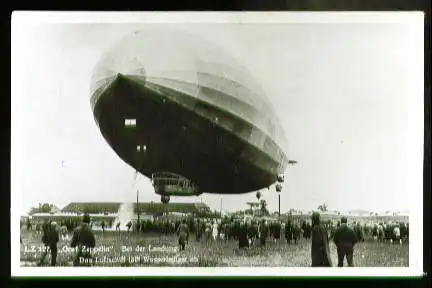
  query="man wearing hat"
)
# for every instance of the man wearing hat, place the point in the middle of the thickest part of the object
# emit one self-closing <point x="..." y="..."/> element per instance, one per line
<point x="345" y="239"/>
<point x="183" y="234"/>
<point x="320" y="244"/>
<point x="50" y="239"/>
<point x="83" y="240"/>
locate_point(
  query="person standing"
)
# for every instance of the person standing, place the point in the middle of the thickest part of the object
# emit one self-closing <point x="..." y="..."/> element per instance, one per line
<point x="288" y="231"/>
<point x="345" y="239"/>
<point x="183" y="234"/>
<point x="84" y="241"/>
<point x="129" y="225"/>
<point x="253" y="232"/>
<point x="277" y="231"/>
<point x="243" y="236"/>
<point x="199" y="230"/>
<point x="45" y="235"/>
<point x="296" y="232"/>
<point x="320" y="251"/>
<point x="263" y="233"/>
<point x="53" y="239"/>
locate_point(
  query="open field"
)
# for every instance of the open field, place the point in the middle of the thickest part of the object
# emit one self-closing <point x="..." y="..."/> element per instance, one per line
<point x="120" y="249"/>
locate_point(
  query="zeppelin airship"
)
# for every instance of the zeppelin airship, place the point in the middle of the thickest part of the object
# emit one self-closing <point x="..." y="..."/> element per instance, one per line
<point x="184" y="113"/>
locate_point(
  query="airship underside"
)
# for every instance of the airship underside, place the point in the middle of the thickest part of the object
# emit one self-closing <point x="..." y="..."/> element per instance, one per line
<point x="165" y="126"/>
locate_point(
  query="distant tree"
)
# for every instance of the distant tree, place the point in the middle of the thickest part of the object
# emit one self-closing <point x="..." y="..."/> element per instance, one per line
<point x="322" y="208"/>
<point x="42" y="208"/>
<point x="371" y="213"/>
<point x="376" y="214"/>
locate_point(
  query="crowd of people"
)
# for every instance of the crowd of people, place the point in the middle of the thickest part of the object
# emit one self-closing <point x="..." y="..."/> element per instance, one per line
<point x="248" y="233"/>
<point x="228" y="228"/>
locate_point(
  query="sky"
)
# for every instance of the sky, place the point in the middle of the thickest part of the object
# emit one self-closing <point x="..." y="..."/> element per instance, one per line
<point x="342" y="92"/>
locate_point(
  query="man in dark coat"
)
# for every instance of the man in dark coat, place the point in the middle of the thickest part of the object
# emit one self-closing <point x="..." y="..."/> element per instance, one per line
<point x="306" y="227"/>
<point x="45" y="231"/>
<point x="288" y="231"/>
<point x="264" y="231"/>
<point x="50" y="239"/>
<point x="199" y="230"/>
<point x="84" y="241"/>
<point x="53" y="239"/>
<point x="296" y="232"/>
<point x="387" y="232"/>
<point x="403" y="231"/>
<point x="277" y="231"/>
<point x="252" y="231"/>
<point x="375" y="231"/>
<point x="183" y="234"/>
<point x="243" y="236"/>
<point x="345" y="239"/>
<point x="320" y="251"/>
<point x="45" y="226"/>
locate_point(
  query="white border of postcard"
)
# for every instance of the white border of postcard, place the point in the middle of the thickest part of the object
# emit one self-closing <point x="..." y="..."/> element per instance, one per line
<point x="415" y="142"/>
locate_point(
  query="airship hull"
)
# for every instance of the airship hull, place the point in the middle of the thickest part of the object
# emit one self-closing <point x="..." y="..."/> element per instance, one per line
<point x="177" y="132"/>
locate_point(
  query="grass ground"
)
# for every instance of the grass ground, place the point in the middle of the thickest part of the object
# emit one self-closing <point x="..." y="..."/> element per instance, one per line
<point x="120" y="249"/>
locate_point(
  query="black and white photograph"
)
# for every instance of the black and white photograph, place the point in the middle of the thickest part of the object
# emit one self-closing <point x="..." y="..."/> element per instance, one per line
<point x="217" y="143"/>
